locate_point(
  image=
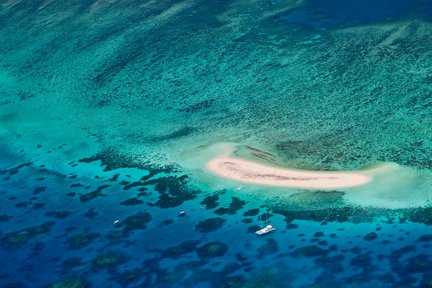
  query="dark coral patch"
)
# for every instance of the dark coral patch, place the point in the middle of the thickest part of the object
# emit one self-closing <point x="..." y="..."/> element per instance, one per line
<point x="238" y="281"/>
<point x="5" y="218"/>
<point x="180" y="250"/>
<point x="114" y="178"/>
<point x="37" y="206"/>
<point x="167" y="222"/>
<point x="247" y="220"/>
<point x="230" y="268"/>
<point x="59" y="214"/>
<point x="171" y="188"/>
<point x="342" y="214"/>
<point x="212" y="249"/>
<point x="332" y="264"/>
<point x="81" y="240"/>
<point x="353" y="214"/>
<point x="132" y="201"/>
<point x="419" y="264"/>
<point x="129" y="185"/>
<point x="138" y="221"/>
<point x="173" y="276"/>
<point x="128" y="277"/>
<point x="173" y="191"/>
<point x="210" y="202"/>
<point x="22" y="205"/>
<point x="15" y="170"/>
<point x="361" y="261"/>
<point x="107" y="260"/>
<point x="425" y="238"/>
<point x="167" y="201"/>
<point x="251" y="212"/>
<point x="311" y="251"/>
<point x="292" y="226"/>
<point x="70" y="283"/>
<point x="76" y="185"/>
<point x="91" y="213"/>
<point x="117" y="235"/>
<point x="265" y="216"/>
<point x="94" y="194"/>
<point x="235" y="205"/>
<point x="421" y="215"/>
<point x="370" y="236"/>
<point x="112" y="160"/>
<point x="39" y="189"/>
<point x="21" y="237"/>
<point x="221" y="211"/>
<point x="270" y="247"/>
<point x="209" y="225"/>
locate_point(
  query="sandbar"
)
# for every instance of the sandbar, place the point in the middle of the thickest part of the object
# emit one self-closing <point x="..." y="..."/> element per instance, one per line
<point x="255" y="173"/>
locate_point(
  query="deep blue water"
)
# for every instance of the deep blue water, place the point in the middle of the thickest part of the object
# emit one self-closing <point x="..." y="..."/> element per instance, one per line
<point x="54" y="233"/>
<point x="339" y="13"/>
<point x="108" y="110"/>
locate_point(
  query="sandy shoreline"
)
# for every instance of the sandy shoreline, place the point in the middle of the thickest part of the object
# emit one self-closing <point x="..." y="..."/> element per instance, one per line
<point x="255" y="173"/>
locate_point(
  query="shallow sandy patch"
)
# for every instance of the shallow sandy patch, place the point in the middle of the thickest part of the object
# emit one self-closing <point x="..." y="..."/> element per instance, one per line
<point x="255" y="173"/>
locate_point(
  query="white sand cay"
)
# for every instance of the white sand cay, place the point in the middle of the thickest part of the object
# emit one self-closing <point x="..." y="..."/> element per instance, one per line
<point x="251" y="172"/>
<point x="224" y="164"/>
<point x="383" y="185"/>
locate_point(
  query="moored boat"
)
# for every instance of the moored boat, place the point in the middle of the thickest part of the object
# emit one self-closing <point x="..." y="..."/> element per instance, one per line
<point x="265" y="230"/>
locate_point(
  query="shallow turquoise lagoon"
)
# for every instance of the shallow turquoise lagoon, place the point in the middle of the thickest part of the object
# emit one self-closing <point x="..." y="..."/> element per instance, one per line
<point x="109" y="111"/>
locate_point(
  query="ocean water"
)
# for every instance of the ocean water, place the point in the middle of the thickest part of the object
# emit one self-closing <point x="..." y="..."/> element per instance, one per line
<point x="109" y="111"/>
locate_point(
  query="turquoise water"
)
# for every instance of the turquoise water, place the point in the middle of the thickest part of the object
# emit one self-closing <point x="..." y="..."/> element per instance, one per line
<point x="108" y="110"/>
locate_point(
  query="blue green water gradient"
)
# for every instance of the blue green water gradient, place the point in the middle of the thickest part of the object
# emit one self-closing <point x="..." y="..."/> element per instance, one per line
<point x="107" y="109"/>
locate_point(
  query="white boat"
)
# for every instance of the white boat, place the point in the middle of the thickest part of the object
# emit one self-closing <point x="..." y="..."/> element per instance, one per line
<point x="182" y="213"/>
<point x="265" y="230"/>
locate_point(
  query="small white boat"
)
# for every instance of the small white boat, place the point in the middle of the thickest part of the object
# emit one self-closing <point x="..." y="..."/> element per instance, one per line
<point x="182" y="213"/>
<point x="265" y="230"/>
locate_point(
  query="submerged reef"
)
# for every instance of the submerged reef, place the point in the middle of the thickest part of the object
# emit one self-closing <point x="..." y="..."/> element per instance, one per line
<point x="70" y="283"/>
<point x="235" y="205"/>
<point x="212" y="249"/>
<point x="112" y="159"/>
<point x="210" y="225"/>
<point x="173" y="189"/>
<point x="210" y="202"/>
<point x="138" y="221"/>
<point x="82" y="240"/>
<point x="353" y="214"/>
<point x="271" y="246"/>
<point x="21" y="237"/>
<point x="180" y="250"/>
<point x="108" y="260"/>
<point x="94" y="194"/>
<point x="132" y="201"/>
<point x="312" y="251"/>
<point x="370" y="236"/>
